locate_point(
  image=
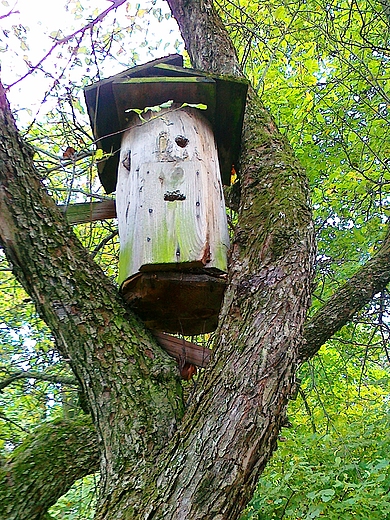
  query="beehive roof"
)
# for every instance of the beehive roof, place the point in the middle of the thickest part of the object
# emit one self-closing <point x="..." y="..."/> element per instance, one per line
<point x="154" y="83"/>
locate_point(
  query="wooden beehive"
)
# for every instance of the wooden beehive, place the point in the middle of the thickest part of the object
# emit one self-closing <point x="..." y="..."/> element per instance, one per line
<point x="166" y="170"/>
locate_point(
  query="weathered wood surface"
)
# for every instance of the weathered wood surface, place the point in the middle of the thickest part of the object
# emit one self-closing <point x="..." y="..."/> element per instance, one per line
<point x="178" y="302"/>
<point x="154" y="83"/>
<point x="182" y="350"/>
<point x="169" y="196"/>
<point x="83" y="212"/>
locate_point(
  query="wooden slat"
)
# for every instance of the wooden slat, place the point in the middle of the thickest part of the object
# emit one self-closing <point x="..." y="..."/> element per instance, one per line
<point x="176" y="302"/>
<point x="89" y="211"/>
<point x="184" y="351"/>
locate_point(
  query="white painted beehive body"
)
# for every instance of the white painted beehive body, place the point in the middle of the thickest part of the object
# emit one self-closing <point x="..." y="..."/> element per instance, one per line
<point x="169" y="197"/>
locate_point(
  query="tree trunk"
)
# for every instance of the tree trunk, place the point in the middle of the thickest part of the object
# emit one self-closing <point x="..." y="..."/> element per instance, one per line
<point x="132" y="385"/>
<point x="210" y="467"/>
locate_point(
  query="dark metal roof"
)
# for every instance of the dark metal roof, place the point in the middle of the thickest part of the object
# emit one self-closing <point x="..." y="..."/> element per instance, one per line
<point x="157" y="82"/>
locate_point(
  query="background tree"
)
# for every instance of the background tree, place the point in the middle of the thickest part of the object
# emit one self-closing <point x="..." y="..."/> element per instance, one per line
<point x="221" y="445"/>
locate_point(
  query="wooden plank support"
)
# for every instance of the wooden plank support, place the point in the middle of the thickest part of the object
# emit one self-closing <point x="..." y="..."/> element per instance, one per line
<point x="83" y="212"/>
<point x="176" y="301"/>
<point x="182" y="350"/>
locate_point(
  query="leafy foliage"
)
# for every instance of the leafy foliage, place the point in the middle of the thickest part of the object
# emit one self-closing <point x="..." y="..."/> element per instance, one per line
<point x="328" y="475"/>
<point x="79" y="502"/>
<point x="322" y="70"/>
<point x="333" y="462"/>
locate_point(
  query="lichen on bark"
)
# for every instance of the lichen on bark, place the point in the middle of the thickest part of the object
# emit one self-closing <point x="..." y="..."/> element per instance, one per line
<point x="156" y="463"/>
<point x="45" y="466"/>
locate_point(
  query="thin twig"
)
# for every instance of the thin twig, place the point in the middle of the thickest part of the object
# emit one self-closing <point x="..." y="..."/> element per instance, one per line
<point x="104" y="242"/>
<point x="7" y="419"/>
<point x="100" y="17"/>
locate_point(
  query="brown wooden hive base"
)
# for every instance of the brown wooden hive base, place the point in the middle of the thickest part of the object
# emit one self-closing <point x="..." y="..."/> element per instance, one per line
<point x="187" y="303"/>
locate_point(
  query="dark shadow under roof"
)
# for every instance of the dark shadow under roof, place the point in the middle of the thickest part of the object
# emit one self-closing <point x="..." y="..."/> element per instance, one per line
<point x="154" y="83"/>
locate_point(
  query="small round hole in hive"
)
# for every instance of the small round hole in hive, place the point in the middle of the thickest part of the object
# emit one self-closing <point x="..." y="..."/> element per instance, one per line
<point x="181" y="141"/>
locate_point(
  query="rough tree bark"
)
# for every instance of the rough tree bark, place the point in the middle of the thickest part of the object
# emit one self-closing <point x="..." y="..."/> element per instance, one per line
<point x="155" y="463"/>
<point x="29" y="481"/>
<point x="132" y="385"/>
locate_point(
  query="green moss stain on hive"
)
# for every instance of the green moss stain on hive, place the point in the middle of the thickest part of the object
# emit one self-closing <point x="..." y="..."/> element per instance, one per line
<point x="125" y="261"/>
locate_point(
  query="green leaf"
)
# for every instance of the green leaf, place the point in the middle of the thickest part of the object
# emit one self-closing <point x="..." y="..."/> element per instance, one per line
<point x="155" y="108"/>
<point x="136" y="110"/>
<point x="327" y="494"/>
<point x="199" y="106"/>
<point x="167" y="104"/>
<point x="280" y="13"/>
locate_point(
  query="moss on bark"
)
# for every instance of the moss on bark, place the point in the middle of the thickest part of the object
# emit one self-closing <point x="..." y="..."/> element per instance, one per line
<point x="45" y="466"/>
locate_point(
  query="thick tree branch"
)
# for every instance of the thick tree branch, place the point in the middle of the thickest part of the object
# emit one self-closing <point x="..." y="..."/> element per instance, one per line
<point x="122" y="369"/>
<point x="197" y="19"/>
<point x="357" y="292"/>
<point x="30" y="374"/>
<point x="45" y="466"/>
